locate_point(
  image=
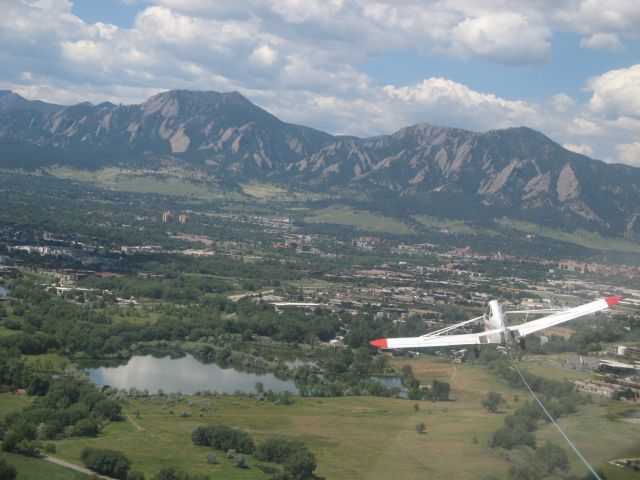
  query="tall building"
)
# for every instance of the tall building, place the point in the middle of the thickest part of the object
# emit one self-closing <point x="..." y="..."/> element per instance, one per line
<point x="166" y="216"/>
<point x="183" y="218"/>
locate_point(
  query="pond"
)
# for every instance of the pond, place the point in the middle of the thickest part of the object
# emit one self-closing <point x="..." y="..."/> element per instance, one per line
<point x="186" y="375"/>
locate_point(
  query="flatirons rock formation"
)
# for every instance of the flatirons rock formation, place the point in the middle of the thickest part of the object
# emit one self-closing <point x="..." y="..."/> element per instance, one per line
<point x="517" y="171"/>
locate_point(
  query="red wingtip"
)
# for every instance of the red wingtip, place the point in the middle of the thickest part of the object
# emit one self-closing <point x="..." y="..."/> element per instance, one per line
<point x="381" y="343"/>
<point x="611" y="301"/>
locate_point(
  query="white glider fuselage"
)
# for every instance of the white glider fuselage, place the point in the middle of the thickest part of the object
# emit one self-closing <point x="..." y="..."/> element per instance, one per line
<point x="495" y="322"/>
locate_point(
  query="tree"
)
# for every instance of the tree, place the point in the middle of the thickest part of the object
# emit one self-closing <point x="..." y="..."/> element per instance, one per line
<point x="278" y="450"/>
<point x="240" y="462"/>
<point x="7" y="471"/>
<point x="170" y="473"/>
<point x="492" y="401"/>
<point x="421" y="427"/>
<point x="440" y="391"/>
<point x="212" y="458"/>
<point x="108" y="409"/>
<point x="552" y="456"/>
<point x="87" y="427"/>
<point x="301" y="465"/>
<point x="106" y="462"/>
<point x="221" y="437"/>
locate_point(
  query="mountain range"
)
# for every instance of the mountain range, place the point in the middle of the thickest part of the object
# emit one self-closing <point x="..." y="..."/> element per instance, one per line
<point x="515" y="172"/>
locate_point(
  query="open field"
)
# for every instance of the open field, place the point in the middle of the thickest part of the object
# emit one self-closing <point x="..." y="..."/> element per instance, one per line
<point x="10" y="402"/>
<point x="262" y="191"/>
<point x="366" y="221"/>
<point x="451" y="226"/>
<point x="579" y="237"/>
<point x="543" y="366"/>
<point x="34" y="468"/>
<point x="142" y="182"/>
<point x="600" y="436"/>
<point x="354" y="437"/>
<point x="5" y="332"/>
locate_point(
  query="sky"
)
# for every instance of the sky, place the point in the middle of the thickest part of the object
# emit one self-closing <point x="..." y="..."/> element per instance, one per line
<point x="569" y="68"/>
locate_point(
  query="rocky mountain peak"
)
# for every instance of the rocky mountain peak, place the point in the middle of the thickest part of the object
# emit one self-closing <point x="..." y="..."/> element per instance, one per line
<point x="518" y="170"/>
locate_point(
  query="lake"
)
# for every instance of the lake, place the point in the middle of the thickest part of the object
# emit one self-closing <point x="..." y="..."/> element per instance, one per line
<point x="186" y="375"/>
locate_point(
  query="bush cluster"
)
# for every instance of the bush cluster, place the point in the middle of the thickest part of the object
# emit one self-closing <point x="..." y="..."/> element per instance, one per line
<point x="106" y="462"/>
<point x="222" y="437"/>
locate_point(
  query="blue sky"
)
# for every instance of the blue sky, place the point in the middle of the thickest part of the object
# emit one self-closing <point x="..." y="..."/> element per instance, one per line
<point x="569" y="68"/>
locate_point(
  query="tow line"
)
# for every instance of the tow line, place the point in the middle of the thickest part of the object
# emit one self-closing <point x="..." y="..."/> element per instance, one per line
<point x="564" y="435"/>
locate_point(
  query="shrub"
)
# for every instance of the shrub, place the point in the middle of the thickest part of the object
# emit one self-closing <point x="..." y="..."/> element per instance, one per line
<point x="87" y="427"/>
<point x="7" y="471"/>
<point x="492" y="401"/>
<point x="170" y="474"/>
<point x="301" y="464"/>
<point x="298" y="461"/>
<point x="421" y="427"/>
<point x="240" y="462"/>
<point x="221" y="437"/>
<point x="106" y="462"/>
<point x="108" y="409"/>
<point x="212" y="458"/>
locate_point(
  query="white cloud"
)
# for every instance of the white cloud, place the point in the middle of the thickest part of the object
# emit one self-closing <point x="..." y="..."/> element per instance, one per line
<point x="616" y="93"/>
<point x="264" y="55"/>
<point x="300" y="59"/>
<point x="595" y="16"/>
<point x="562" y="102"/>
<point x="603" y="41"/>
<point x="508" y="37"/>
<point x="584" y="149"/>
<point x="583" y="127"/>
<point x="629" y="153"/>
<point x="433" y="96"/>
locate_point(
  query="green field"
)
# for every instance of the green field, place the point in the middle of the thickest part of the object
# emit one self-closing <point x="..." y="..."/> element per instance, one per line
<point x="600" y="437"/>
<point x="354" y="437"/>
<point x="579" y="237"/>
<point x="5" y="332"/>
<point x="366" y="221"/>
<point x="171" y="183"/>
<point x="542" y="366"/>
<point x="451" y="226"/>
<point x="10" y="402"/>
<point x="268" y="191"/>
<point x="34" y="469"/>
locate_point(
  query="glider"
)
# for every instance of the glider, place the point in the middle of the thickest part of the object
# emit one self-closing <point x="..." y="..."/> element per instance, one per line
<point x="496" y="328"/>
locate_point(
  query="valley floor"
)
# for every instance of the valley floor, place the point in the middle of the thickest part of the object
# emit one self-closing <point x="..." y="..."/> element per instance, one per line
<point x="352" y="437"/>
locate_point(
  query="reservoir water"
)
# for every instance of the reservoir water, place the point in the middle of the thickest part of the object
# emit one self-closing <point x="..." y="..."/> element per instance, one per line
<point x="186" y="375"/>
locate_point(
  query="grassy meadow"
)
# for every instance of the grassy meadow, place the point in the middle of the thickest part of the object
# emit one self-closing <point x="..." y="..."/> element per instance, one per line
<point x="366" y="221"/>
<point x="352" y="437"/>
<point x="578" y="237"/>
<point x="124" y="180"/>
<point x="34" y="469"/>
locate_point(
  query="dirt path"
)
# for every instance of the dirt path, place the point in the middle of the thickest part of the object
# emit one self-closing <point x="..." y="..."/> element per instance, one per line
<point x="135" y="424"/>
<point x="73" y="466"/>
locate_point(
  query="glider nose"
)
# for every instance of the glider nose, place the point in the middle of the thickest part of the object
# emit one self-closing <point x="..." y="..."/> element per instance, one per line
<point x="380" y="343"/>
<point x="611" y="301"/>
